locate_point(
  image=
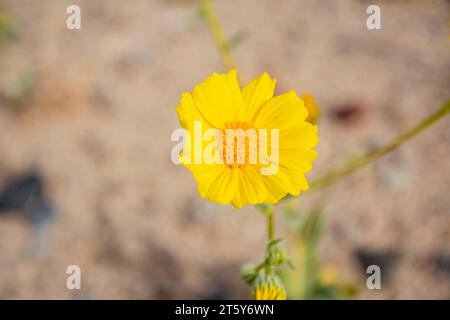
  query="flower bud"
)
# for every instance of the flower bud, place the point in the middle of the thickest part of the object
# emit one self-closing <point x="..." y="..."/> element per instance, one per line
<point x="312" y="106"/>
<point x="277" y="255"/>
<point x="269" y="288"/>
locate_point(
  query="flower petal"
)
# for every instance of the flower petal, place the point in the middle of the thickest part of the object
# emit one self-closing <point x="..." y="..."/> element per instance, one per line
<point x="281" y="112"/>
<point x="296" y="138"/>
<point x="218" y="98"/>
<point x="251" y="189"/>
<point x="255" y="94"/>
<point x="188" y="113"/>
<point x="278" y="186"/>
<point x="301" y="136"/>
<point x="217" y="183"/>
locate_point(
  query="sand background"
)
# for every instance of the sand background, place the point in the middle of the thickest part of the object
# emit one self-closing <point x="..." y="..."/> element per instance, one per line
<point x="98" y="126"/>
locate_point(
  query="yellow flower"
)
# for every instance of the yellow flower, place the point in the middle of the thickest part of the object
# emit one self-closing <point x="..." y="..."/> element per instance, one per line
<point x="327" y="276"/>
<point x="312" y="106"/>
<point x="269" y="289"/>
<point x="219" y="103"/>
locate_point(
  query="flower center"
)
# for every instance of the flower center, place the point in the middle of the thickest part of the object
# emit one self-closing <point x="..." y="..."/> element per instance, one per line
<point x="240" y="144"/>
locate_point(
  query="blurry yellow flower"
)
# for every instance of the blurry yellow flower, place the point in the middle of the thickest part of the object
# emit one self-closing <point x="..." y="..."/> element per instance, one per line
<point x="269" y="289"/>
<point x="312" y="106"/>
<point x="327" y="276"/>
<point x="219" y="103"/>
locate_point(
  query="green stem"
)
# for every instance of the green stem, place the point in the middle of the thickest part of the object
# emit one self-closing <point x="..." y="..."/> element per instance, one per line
<point x="220" y="39"/>
<point x="354" y="165"/>
<point x="270" y="226"/>
<point x="374" y="155"/>
<point x="270" y="235"/>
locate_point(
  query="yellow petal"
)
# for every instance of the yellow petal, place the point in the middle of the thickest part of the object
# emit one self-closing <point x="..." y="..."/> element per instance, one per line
<point x="251" y="189"/>
<point x="277" y="186"/>
<point x="301" y="136"/>
<point x="296" y="138"/>
<point x="255" y="94"/>
<point x="217" y="183"/>
<point x="281" y="112"/>
<point x="218" y="99"/>
<point x="188" y="113"/>
<point x="296" y="163"/>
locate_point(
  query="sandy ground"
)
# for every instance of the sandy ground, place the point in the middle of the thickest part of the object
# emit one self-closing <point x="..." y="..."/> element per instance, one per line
<point x="98" y="126"/>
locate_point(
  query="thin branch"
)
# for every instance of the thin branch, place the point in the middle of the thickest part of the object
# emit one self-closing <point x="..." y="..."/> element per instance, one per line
<point x="220" y="39"/>
<point x="354" y="165"/>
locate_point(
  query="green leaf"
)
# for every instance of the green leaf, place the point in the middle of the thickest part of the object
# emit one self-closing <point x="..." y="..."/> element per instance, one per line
<point x="250" y="272"/>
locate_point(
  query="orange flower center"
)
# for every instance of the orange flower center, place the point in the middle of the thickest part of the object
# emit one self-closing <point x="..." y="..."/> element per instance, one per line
<point x="240" y="144"/>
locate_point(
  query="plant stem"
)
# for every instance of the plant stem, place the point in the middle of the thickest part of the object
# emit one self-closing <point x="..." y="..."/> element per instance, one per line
<point x="374" y="155"/>
<point x="270" y="226"/>
<point x="220" y="39"/>
<point x="270" y="235"/>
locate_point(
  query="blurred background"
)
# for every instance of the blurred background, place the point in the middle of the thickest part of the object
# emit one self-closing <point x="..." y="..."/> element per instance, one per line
<point x="85" y="171"/>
